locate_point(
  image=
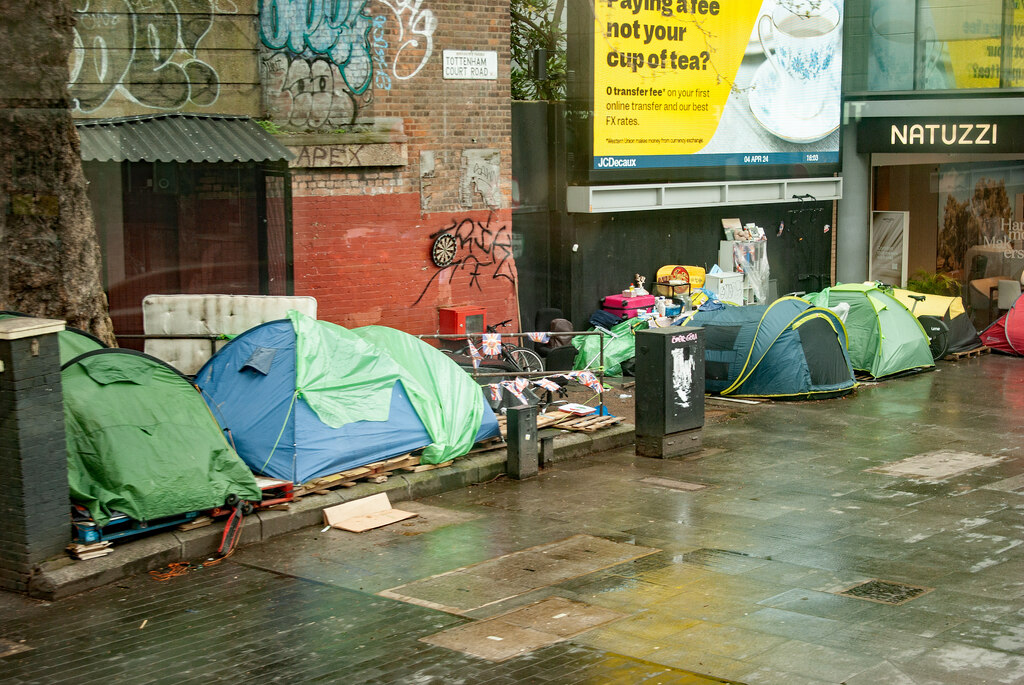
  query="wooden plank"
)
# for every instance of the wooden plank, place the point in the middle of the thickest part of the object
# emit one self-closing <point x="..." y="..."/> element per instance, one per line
<point x="430" y="467"/>
<point x="196" y="523"/>
<point x="377" y="472"/>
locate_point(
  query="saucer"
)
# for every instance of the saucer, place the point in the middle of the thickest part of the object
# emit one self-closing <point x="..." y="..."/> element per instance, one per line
<point x="772" y="113"/>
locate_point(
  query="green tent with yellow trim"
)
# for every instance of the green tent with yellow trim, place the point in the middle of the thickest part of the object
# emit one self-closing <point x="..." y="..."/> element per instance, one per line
<point x="884" y="337"/>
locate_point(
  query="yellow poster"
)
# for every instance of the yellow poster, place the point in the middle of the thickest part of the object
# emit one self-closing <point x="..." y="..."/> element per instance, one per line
<point x="670" y="75"/>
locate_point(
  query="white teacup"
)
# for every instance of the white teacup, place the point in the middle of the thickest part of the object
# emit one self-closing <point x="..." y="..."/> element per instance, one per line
<point x="806" y="36"/>
<point x="893" y="37"/>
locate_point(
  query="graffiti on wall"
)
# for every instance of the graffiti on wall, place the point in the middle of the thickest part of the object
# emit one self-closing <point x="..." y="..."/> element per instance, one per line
<point x="320" y="58"/>
<point x="306" y="94"/>
<point x="416" y="26"/>
<point x="481" y="173"/>
<point x="316" y="30"/>
<point x="316" y="61"/>
<point x="143" y="49"/>
<point x="483" y="253"/>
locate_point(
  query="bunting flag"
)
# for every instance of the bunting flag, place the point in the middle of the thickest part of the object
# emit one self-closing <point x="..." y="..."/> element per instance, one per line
<point x="547" y="384"/>
<point x="491" y="344"/>
<point x="521" y="384"/>
<point x="539" y="337"/>
<point x="495" y="392"/>
<point x="512" y="387"/>
<point x="474" y="354"/>
<point x="590" y="380"/>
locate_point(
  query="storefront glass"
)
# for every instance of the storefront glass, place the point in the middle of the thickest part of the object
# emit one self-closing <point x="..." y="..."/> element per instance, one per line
<point x="936" y="45"/>
<point x="981" y="230"/>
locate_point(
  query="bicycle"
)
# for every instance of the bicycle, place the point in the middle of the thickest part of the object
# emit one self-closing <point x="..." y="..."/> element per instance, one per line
<point x="935" y="328"/>
<point x="513" y="357"/>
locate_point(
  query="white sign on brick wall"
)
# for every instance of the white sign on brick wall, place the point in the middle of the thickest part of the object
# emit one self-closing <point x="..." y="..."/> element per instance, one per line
<point x="470" y="64"/>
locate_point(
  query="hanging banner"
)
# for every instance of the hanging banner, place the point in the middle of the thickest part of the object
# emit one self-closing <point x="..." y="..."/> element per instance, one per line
<point x="685" y="83"/>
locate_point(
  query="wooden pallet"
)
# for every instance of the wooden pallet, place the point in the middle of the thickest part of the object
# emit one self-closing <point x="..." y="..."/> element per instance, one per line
<point x="566" y="421"/>
<point x="967" y="354"/>
<point x="543" y="421"/>
<point x="588" y="424"/>
<point x="376" y="472"/>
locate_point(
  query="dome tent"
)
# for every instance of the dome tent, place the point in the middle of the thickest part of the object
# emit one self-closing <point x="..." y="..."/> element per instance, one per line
<point x="785" y="350"/>
<point x="962" y="335"/>
<point x="304" y="398"/>
<point x="141" y="441"/>
<point x="1006" y="334"/>
<point x="884" y="338"/>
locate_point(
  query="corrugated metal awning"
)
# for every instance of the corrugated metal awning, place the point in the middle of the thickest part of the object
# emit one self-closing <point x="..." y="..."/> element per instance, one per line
<point x="178" y="137"/>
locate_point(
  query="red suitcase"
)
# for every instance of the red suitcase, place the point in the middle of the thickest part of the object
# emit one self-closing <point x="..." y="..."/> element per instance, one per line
<point x="627" y="307"/>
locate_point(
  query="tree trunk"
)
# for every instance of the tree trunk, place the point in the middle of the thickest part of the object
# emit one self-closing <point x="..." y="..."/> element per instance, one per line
<point x="50" y="264"/>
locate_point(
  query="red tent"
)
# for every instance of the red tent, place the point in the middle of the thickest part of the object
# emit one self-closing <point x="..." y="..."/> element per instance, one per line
<point x="1006" y="334"/>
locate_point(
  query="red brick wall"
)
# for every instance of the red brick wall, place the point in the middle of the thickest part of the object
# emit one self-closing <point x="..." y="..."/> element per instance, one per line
<point x="366" y="259"/>
<point x="362" y="235"/>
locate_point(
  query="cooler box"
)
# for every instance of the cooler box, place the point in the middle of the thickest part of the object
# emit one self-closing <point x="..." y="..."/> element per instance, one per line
<point x="626" y="307"/>
<point x="727" y="285"/>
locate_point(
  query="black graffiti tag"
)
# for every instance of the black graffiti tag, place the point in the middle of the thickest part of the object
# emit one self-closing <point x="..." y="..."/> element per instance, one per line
<point x="483" y="250"/>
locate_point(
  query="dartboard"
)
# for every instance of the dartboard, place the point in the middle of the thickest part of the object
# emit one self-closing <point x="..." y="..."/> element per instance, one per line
<point x="443" y="252"/>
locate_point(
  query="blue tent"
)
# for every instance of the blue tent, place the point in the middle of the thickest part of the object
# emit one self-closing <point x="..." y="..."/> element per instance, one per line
<point x="301" y="399"/>
<point x="786" y="350"/>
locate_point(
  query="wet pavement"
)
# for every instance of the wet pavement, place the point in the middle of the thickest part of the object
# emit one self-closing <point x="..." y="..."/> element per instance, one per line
<point x="748" y="562"/>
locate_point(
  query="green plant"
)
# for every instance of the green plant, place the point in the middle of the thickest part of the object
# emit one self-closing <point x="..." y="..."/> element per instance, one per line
<point x="537" y="24"/>
<point x="933" y="284"/>
<point x="270" y="127"/>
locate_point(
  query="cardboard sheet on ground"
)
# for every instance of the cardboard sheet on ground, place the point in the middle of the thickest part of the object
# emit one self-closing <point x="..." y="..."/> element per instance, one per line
<point x="365" y="514"/>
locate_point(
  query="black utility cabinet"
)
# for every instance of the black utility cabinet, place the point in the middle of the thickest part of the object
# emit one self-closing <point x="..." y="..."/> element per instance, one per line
<point x="669" y="391"/>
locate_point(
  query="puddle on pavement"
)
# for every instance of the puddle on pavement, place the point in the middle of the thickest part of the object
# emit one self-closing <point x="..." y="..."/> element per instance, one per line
<point x="429" y="518"/>
<point x="495" y="580"/>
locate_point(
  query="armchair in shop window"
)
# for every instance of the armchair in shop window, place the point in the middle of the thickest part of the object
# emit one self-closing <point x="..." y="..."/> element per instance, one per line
<point x="1009" y="292"/>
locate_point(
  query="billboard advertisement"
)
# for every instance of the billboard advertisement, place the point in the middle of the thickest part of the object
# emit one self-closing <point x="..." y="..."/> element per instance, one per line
<point x="713" y="83"/>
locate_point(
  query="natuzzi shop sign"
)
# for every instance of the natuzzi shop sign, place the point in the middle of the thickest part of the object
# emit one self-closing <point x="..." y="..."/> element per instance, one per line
<point x="941" y="134"/>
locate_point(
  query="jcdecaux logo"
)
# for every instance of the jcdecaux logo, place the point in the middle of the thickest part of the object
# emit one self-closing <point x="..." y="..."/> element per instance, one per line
<point x="615" y="162"/>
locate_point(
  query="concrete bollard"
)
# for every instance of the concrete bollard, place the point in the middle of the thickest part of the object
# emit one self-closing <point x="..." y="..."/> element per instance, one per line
<point x="35" y="508"/>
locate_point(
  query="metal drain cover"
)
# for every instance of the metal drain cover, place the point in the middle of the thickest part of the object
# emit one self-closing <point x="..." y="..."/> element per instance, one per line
<point x="885" y="591"/>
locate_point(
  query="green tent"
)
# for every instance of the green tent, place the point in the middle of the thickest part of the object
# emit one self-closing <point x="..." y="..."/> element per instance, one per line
<point x="141" y="440"/>
<point x="884" y="337"/>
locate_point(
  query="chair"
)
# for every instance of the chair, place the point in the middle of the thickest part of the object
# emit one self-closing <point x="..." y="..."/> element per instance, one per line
<point x="560" y="358"/>
<point x="557" y="354"/>
<point x="1009" y="291"/>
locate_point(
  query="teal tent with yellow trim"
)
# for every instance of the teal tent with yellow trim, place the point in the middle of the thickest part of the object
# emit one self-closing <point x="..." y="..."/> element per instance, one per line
<point x="786" y="350"/>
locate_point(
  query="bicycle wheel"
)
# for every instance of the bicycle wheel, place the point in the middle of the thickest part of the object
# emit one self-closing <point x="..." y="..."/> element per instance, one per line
<point x="525" y="359"/>
<point x="938" y="335"/>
